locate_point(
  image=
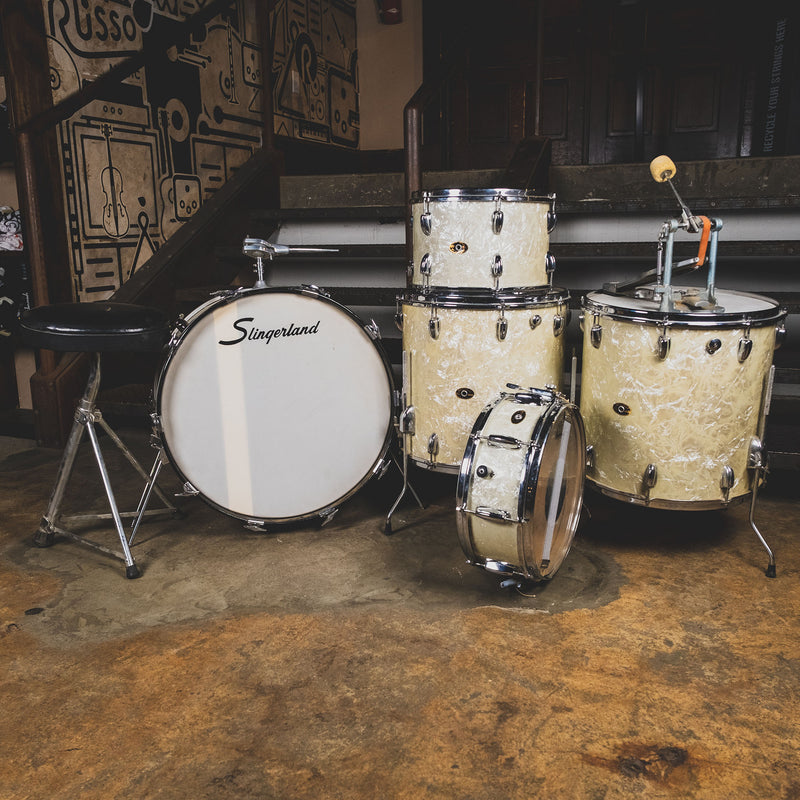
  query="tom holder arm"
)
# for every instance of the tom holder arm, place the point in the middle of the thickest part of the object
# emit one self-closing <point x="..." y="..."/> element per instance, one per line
<point x="259" y="249"/>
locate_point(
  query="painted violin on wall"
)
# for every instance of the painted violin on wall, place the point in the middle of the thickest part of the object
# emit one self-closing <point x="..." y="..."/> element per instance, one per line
<point x="115" y="216"/>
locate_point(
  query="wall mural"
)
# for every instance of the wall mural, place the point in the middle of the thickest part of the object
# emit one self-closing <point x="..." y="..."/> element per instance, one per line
<point x="140" y="162"/>
<point x="314" y="70"/>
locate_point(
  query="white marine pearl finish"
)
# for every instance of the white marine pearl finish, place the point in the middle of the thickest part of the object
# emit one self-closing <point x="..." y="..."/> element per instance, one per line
<point x="462" y="219"/>
<point x="519" y="483"/>
<point x="690" y="415"/>
<point x="468" y="355"/>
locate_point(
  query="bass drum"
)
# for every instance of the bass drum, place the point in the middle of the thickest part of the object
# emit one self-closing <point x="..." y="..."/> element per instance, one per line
<point x="520" y="488"/>
<point x="275" y="405"/>
<point x="673" y="401"/>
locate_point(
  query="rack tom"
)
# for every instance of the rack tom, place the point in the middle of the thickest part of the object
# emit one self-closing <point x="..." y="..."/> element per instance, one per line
<point x="481" y="238"/>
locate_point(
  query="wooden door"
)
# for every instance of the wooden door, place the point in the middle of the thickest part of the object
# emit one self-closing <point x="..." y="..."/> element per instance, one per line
<point x="492" y="99"/>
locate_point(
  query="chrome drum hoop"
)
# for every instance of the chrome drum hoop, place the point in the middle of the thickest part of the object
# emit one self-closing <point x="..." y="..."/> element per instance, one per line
<point x="524" y="297"/>
<point x="752" y="309"/>
<point x="667" y="505"/>
<point x="480" y="195"/>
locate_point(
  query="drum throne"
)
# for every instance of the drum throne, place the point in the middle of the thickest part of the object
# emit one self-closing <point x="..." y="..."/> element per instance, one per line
<point x="97" y="328"/>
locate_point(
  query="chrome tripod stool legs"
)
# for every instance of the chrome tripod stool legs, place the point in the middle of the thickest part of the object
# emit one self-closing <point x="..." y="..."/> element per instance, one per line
<point x="97" y="328"/>
<point x="87" y="419"/>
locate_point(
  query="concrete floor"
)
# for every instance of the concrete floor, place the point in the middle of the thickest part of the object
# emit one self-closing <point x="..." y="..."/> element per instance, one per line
<point x="336" y="662"/>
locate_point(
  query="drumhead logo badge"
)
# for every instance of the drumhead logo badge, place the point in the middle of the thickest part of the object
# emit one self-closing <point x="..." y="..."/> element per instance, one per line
<point x="252" y="333"/>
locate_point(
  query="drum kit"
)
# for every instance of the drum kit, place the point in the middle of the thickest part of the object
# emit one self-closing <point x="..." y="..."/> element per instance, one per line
<point x="276" y="405"/>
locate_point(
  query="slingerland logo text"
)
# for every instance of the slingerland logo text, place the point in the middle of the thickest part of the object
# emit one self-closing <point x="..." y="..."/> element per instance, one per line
<point x="252" y="333"/>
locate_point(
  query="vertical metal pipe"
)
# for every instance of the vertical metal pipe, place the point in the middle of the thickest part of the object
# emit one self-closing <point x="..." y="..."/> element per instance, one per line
<point x="412" y="138"/>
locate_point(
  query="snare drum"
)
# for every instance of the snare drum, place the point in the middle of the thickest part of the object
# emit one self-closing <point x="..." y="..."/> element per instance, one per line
<point x="481" y="238"/>
<point x="673" y="401"/>
<point x="520" y="486"/>
<point x="275" y="404"/>
<point x="461" y="348"/>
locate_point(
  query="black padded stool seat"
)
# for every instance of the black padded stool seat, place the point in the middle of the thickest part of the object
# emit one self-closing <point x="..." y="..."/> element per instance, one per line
<point x="100" y="327"/>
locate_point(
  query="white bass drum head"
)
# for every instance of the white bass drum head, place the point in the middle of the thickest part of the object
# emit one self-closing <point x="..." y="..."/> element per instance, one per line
<point x="275" y="404"/>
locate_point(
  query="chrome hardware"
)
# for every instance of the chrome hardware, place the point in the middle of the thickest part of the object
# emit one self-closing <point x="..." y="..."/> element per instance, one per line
<point x="373" y="331"/>
<point x="180" y="326"/>
<point x="327" y="515"/>
<point x="398" y="316"/>
<point x="425" y="223"/>
<point x="756" y="457"/>
<point x="484" y="472"/>
<point x="662" y="347"/>
<point x="623" y="409"/>
<point x="726" y="481"/>
<point x="493" y="513"/>
<point x="407" y="422"/>
<point x="549" y="263"/>
<point x="188" y="491"/>
<point x="259" y="249"/>
<point x="517" y="417"/>
<point x="590" y="456"/>
<point x="559" y="324"/>
<point x="433" y="446"/>
<point x="506" y="442"/>
<point x="425" y="217"/>
<point x="649" y="479"/>
<point x="535" y="322"/>
<point x="596" y="334"/>
<point x="502" y="326"/>
<point x="257" y="525"/>
<point x="713" y="346"/>
<point x="780" y="335"/>
<point x="745" y="348"/>
<point x="465" y="393"/>
<point x="745" y="344"/>
<point x="314" y="289"/>
<point x="552" y="219"/>
<point x="425" y="268"/>
<point x="497" y="216"/>
<point x="434" y="324"/>
<point x="529" y="397"/>
<point x="497" y="270"/>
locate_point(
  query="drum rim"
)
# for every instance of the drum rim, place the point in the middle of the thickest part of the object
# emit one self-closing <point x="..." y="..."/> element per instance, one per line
<point x="533" y="465"/>
<point x="526" y="499"/>
<point x="480" y="298"/>
<point x="690" y="319"/>
<point x="664" y="504"/>
<point x="506" y="195"/>
<point x="224" y="298"/>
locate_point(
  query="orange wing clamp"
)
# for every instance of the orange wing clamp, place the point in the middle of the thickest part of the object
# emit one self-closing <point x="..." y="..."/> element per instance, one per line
<point x="701" y="253"/>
